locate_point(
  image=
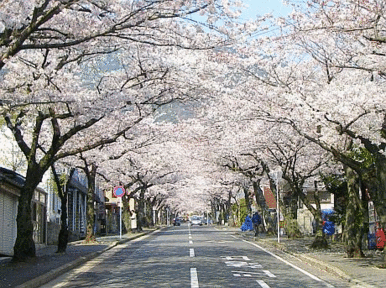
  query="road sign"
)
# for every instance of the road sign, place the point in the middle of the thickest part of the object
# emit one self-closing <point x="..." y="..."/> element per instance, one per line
<point x="119" y="191"/>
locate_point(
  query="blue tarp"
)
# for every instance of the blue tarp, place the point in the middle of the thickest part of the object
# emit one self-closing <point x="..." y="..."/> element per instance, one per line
<point x="328" y="226"/>
<point x="247" y="225"/>
<point x="372" y="241"/>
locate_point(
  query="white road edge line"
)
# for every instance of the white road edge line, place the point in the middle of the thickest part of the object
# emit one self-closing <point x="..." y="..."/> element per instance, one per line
<point x="193" y="278"/>
<point x="191" y="252"/>
<point x="262" y="284"/>
<point x="286" y="262"/>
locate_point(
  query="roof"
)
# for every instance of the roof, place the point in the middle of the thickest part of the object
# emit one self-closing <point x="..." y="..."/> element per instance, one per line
<point x="11" y="177"/>
<point x="269" y="198"/>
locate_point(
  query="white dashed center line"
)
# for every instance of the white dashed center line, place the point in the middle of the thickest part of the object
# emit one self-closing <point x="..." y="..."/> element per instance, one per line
<point x="191" y="252"/>
<point x="193" y="278"/>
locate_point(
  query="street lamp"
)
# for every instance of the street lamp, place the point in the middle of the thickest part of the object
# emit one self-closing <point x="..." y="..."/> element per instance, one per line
<point x="276" y="175"/>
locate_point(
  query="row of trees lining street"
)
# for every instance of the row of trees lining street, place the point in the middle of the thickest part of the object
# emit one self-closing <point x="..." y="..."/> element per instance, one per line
<point x="198" y="104"/>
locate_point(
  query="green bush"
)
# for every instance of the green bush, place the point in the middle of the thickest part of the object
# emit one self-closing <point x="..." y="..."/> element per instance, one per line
<point x="240" y="210"/>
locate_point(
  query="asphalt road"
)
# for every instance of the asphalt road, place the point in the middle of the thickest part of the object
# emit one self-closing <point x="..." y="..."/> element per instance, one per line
<point x="186" y="256"/>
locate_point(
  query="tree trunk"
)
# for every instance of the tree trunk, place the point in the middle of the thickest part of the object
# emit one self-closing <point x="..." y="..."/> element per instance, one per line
<point x="148" y="213"/>
<point x="320" y="241"/>
<point x="247" y="202"/>
<point x="141" y="208"/>
<point x="126" y="214"/>
<point x="24" y="246"/>
<point x="63" y="233"/>
<point x="91" y="176"/>
<point x="354" y="226"/>
<point x="268" y="224"/>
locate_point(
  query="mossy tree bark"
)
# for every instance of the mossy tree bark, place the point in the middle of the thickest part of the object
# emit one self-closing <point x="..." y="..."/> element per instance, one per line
<point x="354" y="224"/>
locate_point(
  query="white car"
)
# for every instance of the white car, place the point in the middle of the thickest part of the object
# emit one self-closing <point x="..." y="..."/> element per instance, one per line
<point x="195" y="220"/>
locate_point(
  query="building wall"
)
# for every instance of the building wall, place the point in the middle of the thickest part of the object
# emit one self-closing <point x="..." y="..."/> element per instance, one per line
<point x="76" y="207"/>
<point x="9" y="193"/>
<point x="8" y="212"/>
<point x="305" y="217"/>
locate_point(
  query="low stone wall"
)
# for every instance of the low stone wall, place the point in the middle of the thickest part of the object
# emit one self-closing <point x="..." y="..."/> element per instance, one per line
<point x="52" y="233"/>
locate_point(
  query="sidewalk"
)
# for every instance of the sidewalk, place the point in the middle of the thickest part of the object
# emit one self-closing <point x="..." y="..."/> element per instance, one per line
<point x="48" y="265"/>
<point x="361" y="272"/>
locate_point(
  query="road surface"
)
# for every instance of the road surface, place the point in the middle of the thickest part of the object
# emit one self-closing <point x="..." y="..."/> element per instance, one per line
<point x="196" y="257"/>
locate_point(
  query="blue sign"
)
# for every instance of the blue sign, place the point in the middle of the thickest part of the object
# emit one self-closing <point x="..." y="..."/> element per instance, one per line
<point x="119" y="191"/>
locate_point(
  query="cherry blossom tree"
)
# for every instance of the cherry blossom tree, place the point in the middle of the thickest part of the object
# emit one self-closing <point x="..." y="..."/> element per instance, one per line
<point x="44" y="52"/>
<point x="323" y="76"/>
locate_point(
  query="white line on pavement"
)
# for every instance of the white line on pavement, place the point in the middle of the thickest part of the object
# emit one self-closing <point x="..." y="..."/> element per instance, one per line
<point x="190" y="242"/>
<point x="193" y="278"/>
<point x="191" y="252"/>
<point x="262" y="284"/>
<point x="269" y="274"/>
<point x="285" y="261"/>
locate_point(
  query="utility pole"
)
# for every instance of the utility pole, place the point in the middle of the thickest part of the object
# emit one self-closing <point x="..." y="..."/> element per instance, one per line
<point x="276" y="175"/>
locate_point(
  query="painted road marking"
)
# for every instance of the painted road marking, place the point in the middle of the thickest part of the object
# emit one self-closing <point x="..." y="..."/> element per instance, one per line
<point x="243" y="264"/>
<point x="262" y="284"/>
<point x="269" y="274"/>
<point x="250" y="274"/>
<point x="231" y="258"/>
<point x="190" y="242"/>
<point x="237" y="264"/>
<point x="193" y="278"/>
<point x="220" y="242"/>
<point x="286" y="262"/>
<point x="191" y="252"/>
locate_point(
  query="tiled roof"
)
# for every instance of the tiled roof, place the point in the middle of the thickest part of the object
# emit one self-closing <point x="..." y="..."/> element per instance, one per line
<point x="269" y="198"/>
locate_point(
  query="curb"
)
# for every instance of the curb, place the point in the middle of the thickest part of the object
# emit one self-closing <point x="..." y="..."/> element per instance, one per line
<point x="331" y="269"/>
<point x="49" y="276"/>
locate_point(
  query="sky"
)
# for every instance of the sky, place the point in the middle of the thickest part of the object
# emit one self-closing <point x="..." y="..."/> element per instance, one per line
<point x="261" y="7"/>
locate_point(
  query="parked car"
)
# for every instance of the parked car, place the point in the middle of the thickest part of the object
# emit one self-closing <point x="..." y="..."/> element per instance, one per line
<point x="207" y="221"/>
<point x="176" y="221"/>
<point x="195" y="220"/>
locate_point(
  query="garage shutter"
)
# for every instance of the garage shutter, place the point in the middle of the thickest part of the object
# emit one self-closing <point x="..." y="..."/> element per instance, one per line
<point x="8" y="214"/>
